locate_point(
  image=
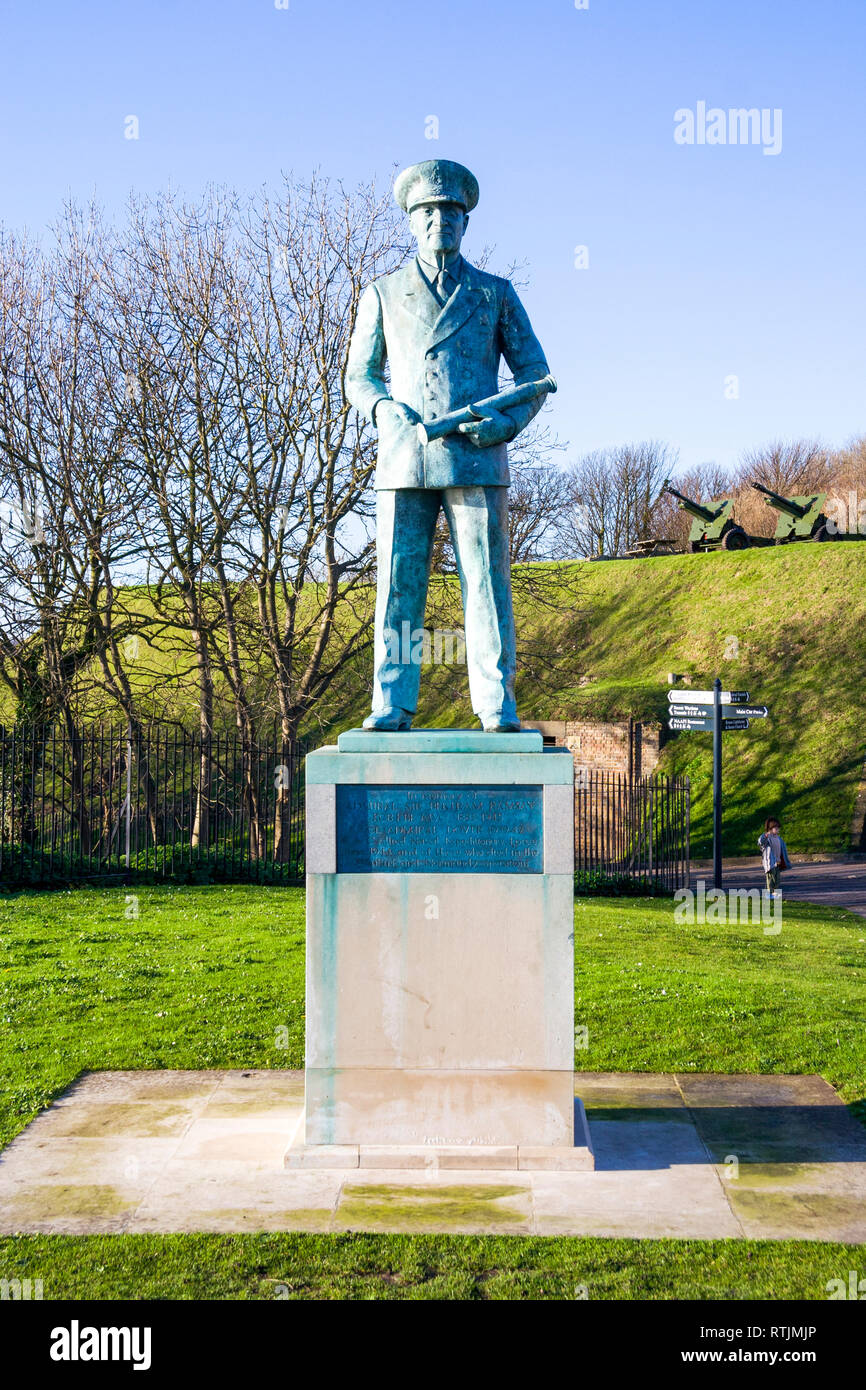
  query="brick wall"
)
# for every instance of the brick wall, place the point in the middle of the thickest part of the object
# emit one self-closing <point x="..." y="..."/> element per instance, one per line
<point x="601" y="747"/>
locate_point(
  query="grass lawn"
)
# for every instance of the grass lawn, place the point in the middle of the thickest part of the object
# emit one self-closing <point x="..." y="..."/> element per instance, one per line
<point x="357" y="1266"/>
<point x="211" y="976"/>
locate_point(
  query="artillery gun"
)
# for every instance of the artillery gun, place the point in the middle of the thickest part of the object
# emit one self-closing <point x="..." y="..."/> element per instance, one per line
<point x="802" y="517"/>
<point x="650" y="548"/>
<point x="713" y="527"/>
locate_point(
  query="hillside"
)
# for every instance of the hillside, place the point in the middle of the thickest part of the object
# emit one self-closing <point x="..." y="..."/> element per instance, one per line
<point x="786" y="623"/>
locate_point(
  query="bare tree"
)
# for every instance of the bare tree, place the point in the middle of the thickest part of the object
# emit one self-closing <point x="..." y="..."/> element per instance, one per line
<point x="848" y="466"/>
<point x="848" y="503"/>
<point x="308" y="555"/>
<point x="60" y="448"/>
<point x="230" y="332"/>
<point x="789" y="467"/>
<point x="40" y="640"/>
<point x="538" y="499"/>
<point x="614" y="493"/>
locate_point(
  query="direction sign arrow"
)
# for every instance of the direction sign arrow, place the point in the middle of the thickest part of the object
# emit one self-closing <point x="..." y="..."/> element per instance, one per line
<point x="705" y="697"/>
<point x="704" y="724"/>
<point x="705" y="711"/>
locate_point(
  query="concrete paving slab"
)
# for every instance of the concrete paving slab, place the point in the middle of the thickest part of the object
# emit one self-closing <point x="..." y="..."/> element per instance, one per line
<point x="244" y="1138"/>
<point x="645" y="1144"/>
<point x="788" y="1120"/>
<point x="787" y="1151"/>
<point x="75" y="1160"/>
<point x="628" y="1089"/>
<point x="260" y="1090"/>
<point x="126" y="1086"/>
<point x="475" y="1204"/>
<point x="676" y="1156"/>
<point x="686" y="1215"/>
<point x="68" y="1208"/>
<point x="818" y="1215"/>
<point x="711" y="1089"/>
<point x="140" y="1119"/>
<point x="262" y="1200"/>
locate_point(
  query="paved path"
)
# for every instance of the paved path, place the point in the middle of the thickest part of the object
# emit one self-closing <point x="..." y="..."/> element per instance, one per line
<point x="830" y="884"/>
<point x="686" y="1156"/>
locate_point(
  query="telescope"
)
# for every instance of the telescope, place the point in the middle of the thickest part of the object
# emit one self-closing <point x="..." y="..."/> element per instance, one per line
<point x="512" y="395"/>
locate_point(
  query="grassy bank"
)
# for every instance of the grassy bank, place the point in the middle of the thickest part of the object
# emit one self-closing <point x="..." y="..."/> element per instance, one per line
<point x="786" y="623"/>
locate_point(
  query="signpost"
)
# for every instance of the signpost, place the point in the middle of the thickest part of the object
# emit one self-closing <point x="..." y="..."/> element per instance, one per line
<point x="703" y="723"/>
<point x="717" y="782"/>
<point x="701" y="711"/>
<point x="705" y="697"/>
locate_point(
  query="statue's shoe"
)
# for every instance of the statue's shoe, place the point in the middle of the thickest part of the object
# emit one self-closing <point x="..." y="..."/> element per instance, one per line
<point x="390" y="721"/>
<point x="497" y="723"/>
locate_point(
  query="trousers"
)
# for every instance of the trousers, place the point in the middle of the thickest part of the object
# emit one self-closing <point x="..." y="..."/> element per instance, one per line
<point x="405" y="525"/>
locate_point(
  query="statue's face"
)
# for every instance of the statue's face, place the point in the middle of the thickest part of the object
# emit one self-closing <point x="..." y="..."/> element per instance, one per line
<point x="438" y="227"/>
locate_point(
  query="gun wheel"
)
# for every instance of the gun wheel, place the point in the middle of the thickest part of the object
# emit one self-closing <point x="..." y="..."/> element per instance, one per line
<point x="822" y="534"/>
<point x="736" y="539"/>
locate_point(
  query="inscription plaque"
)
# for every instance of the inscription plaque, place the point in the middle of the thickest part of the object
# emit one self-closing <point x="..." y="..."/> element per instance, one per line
<point x="433" y="829"/>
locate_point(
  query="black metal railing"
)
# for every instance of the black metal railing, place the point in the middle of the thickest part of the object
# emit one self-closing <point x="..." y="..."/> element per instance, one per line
<point x="105" y="803"/>
<point x="631" y="829"/>
<point x="156" y="802"/>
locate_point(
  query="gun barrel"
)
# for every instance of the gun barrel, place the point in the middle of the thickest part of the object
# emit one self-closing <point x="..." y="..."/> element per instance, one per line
<point x="512" y="395"/>
<point x="782" y="504"/>
<point x="696" y="508"/>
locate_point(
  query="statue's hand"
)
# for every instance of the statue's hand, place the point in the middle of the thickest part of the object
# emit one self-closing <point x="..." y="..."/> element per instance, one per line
<point x="397" y="410"/>
<point x="494" y="427"/>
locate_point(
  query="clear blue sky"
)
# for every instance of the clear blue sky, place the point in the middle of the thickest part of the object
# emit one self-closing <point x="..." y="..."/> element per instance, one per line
<point x="704" y="261"/>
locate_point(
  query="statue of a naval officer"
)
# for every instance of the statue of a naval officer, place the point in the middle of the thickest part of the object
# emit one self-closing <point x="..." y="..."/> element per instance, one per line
<point x="442" y="326"/>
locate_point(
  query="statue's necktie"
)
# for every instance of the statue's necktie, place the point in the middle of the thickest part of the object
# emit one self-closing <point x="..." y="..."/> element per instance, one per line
<point x="443" y="286"/>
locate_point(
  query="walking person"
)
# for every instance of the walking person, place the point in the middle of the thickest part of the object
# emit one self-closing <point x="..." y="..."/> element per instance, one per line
<point x="774" y="853"/>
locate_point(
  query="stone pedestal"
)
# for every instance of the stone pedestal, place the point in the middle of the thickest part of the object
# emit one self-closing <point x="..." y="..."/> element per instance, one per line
<point x="440" y="956"/>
